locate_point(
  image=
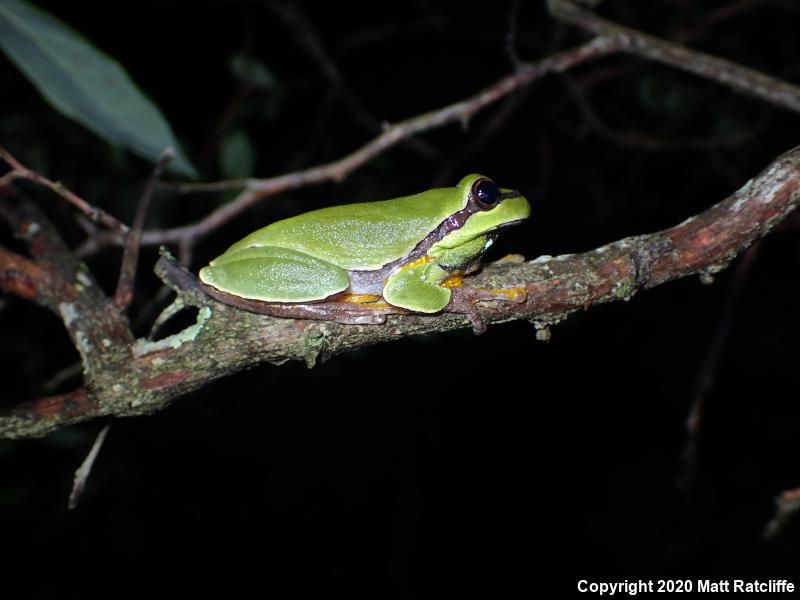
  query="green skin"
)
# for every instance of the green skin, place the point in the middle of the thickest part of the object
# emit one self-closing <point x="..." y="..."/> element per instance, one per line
<point x="369" y="248"/>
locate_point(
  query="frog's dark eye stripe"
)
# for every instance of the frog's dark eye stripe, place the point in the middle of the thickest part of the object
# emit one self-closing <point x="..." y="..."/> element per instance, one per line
<point x="485" y="193"/>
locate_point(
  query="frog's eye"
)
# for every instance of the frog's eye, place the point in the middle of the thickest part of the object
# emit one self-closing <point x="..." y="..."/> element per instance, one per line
<point x="485" y="193"/>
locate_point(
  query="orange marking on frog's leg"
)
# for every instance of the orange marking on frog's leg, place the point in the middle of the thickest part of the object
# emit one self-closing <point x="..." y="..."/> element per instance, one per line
<point x="359" y="298"/>
<point x="453" y="281"/>
<point x="416" y="263"/>
<point x="517" y="294"/>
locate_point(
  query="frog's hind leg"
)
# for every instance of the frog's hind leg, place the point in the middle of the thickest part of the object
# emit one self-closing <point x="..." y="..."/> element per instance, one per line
<point x="275" y="275"/>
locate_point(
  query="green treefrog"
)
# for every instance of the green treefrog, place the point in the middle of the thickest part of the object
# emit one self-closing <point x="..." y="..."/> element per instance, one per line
<point x="406" y="250"/>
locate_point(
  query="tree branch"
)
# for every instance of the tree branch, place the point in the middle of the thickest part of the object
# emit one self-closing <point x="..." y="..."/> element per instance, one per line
<point x="124" y="376"/>
<point x="258" y="189"/>
<point x="143" y="376"/>
<point x="744" y="79"/>
<point x="57" y="280"/>
<point x="95" y="214"/>
<point x="610" y="38"/>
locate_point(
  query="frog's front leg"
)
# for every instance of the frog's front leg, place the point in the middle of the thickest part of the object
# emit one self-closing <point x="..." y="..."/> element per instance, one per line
<point x="415" y="286"/>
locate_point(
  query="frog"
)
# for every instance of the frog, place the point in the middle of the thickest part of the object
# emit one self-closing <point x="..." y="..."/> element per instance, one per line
<point x="408" y="252"/>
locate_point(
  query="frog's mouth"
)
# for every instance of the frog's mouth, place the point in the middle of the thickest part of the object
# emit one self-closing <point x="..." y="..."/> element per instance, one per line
<point x="497" y="228"/>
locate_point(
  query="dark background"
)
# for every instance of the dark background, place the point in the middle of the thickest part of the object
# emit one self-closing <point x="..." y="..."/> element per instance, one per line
<point x="441" y="464"/>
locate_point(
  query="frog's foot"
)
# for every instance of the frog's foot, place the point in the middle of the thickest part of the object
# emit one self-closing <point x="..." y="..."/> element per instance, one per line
<point x="464" y="300"/>
<point x="514" y="259"/>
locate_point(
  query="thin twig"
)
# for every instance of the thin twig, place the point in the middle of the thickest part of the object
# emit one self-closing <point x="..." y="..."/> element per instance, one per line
<point x="211" y="186"/>
<point x="744" y="79"/>
<point x="708" y="372"/>
<point x="258" y="189"/>
<point x="479" y="140"/>
<point x="610" y="38"/>
<point x="511" y="34"/>
<point x="130" y="254"/>
<point x="716" y="16"/>
<point x="295" y="19"/>
<point x="634" y="139"/>
<point x="82" y="473"/>
<point x="95" y="214"/>
<point x="787" y="504"/>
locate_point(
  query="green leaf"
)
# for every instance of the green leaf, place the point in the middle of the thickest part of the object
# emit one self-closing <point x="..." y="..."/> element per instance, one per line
<point x="237" y="158"/>
<point x="252" y="71"/>
<point x="85" y="84"/>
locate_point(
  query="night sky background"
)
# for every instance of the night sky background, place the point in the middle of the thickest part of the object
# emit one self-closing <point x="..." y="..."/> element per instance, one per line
<point x="439" y="464"/>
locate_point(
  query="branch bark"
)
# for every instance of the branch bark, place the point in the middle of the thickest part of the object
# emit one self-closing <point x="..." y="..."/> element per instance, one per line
<point x="746" y="80"/>
<point x="124" y="376"/>
<point x="258" y="189"/>
<point x="132" y="377"/>
<point x="610" y="38"/>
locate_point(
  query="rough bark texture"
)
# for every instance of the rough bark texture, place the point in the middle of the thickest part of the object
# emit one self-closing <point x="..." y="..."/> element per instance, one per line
<point x="124" y="376"/>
